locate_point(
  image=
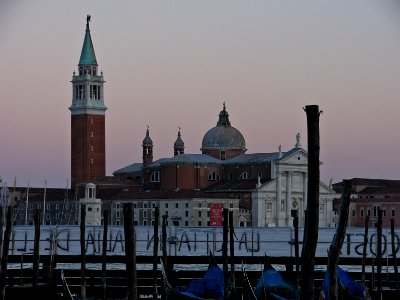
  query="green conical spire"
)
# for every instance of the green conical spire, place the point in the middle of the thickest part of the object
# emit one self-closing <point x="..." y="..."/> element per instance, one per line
<point x="87" y="55"/>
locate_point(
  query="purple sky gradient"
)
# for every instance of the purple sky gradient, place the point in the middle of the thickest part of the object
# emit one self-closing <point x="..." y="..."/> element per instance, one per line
<point x="173" y="63"/>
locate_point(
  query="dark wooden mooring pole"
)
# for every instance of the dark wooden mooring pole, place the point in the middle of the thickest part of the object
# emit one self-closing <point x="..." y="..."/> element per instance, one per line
<point x="1" y="234"/>
<point x="225" y="252"/>
<point x="6" y="247"/>
<point x="36" y="247"/>
<point x="164" y="249"/>
<point x="337" y="243"/>
<point x="295" y="215"/>
<point x="365" y="245"/>
<point x="232" y="253"/>
<point x="379" y="254"/>
<point x="130" y="252"/>
<point x="396" y="271"/>
<point x="155" y="252"/>
<point x="104" y="255"/>
<point x="83" y="252"/>
<point x="310" y="238"/>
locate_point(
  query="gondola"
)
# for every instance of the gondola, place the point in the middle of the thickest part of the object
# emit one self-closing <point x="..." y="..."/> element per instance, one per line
<point x="348" y="288"/>
<point x="271" y="285"/>
<point x="210" y="286"/>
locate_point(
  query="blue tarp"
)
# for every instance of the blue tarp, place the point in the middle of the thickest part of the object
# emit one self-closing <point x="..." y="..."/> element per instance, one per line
<point x="211" y="286"/>
<point x="350" y="286"/>
<point x="275" y="284"/>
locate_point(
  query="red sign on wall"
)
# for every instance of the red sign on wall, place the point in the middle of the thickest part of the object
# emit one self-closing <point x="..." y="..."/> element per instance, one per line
<point x="216" y="214"/>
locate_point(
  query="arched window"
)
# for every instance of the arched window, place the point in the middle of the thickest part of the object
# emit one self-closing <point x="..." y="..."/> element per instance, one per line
<point x="244" y="175"/>
<point x="213" y="176"/>
<point x="155" y="176"/>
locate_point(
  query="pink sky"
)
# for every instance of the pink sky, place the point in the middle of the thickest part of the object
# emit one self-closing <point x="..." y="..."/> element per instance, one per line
<point x="174" y="64"/>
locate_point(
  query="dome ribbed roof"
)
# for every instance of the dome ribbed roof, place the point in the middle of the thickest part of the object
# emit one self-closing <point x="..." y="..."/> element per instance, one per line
<point x="223" y="136"/>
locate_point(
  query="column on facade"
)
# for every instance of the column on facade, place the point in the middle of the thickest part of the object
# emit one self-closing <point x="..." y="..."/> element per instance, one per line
<point x="288" y="197"/>
<point x="278" y="196"/>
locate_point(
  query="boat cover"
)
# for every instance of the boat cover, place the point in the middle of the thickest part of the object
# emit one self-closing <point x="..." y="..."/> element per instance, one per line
<point x="353" y="288"/>
<point x="211" y="286"/>
<point x="275" y="285"/>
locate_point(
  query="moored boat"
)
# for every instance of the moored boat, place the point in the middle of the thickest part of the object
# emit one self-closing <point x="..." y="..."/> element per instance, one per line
<point x="210" y="286"/>
<point x="272" y="285"/>
<point x="348" y="288"/>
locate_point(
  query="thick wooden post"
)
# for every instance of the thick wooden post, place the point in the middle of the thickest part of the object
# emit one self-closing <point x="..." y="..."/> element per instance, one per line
<point x="83" y="252"/>
<point x="130" y="251"/>
<point x="164" y="249"/>
<point x="1" y="235"/>
<point x="36" y="246"/>
<point x="312" y="218"/>
<point x="295" y="216"/>
<point x="104" y="255"/>
<point x="225" y="252"/>
<point x="6" y="247"/>
<point x="396" y="271"/>
<point x="365" y="245"/>
<point x="155" y="252"/>
<point x="379" y="254"/>
<point x="232" y="252"/>
<point x="337" y="243"/>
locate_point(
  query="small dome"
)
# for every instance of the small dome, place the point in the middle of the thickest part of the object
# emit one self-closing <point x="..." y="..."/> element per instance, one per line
<point x="147" y="140"/>
<point x="179" y="143"/>
<point x="223" y="136"/>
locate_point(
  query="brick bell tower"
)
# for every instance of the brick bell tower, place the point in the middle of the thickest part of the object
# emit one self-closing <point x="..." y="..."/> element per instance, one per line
<point x="87" y="117"/>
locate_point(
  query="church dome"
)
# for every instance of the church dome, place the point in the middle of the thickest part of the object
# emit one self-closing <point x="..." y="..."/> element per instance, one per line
<point x="223" y="136"/>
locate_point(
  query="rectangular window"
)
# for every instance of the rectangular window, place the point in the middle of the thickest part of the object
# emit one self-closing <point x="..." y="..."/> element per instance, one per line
<point x="144" y="223"/>
<point x="144" y="214"/>
<point x="199" y="214"/>
<point x="176" y="205"/>
<point x="48" y="206"/>
<point x="89" y="209"/>
<point x="199" y="223"/>
<point x="393" y="212"/>
<point x="57" y="206"/>
<point x="117" y="222"/>
<point x="145" y="205"/>
<point x="199" y="205"/>
<point x="117" y="214"/>
<point x="208" y="213"/>
<point x="186" y="213"/>
<point x="187" y="205"/>
<point x="166" y="205"/>
<point x="369" y="212"/>
<point x="57" y="216"/>
<point x="186" y="223"/>
<point x="48" y="216"/>
<point x="353" y="212"/>
<point x="362" y="212"/>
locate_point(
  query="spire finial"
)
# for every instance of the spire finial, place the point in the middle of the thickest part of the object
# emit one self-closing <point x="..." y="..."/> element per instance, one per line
<point x="87" y="20"/>
<point x="224" y="106"/>
<point x="280" y="151"/>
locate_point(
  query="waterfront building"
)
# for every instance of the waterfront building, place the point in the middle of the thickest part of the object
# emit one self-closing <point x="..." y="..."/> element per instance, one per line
<point x="369" y="195"/>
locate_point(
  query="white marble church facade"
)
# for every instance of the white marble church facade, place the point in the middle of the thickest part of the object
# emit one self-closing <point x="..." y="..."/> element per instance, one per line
<point x="273" y="201"/>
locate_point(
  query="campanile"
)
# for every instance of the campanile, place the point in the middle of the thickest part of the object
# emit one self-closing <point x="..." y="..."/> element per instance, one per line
<point x="87" y="117"/>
